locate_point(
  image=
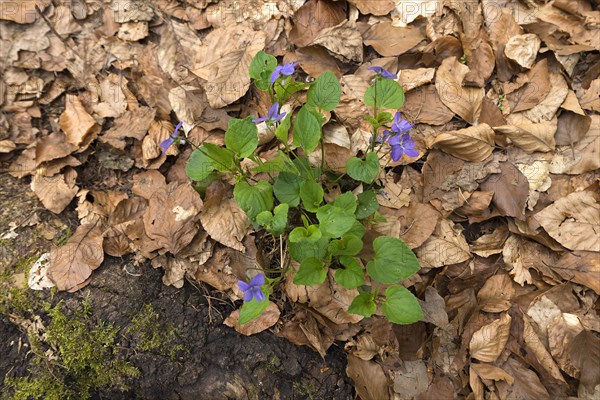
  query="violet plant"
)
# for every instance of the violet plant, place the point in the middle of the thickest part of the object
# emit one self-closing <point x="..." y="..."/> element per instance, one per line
<point x="320" y="236"/>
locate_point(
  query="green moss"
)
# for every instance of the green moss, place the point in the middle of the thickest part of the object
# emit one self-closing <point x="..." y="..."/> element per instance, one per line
<point x="74" y="358"/>
<point x="64" y="237"/>
<point x="17" y="298"/>
<point x="304" y="389"/>
<point x="151" y="334"/>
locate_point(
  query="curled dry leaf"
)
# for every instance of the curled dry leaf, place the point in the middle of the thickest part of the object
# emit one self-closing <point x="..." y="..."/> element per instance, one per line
<point x="79" y="126"/>
<point x="496" y="294"/>
<point x="488" y="342"/>
<point x="511" y="190"/>
<point x="530" y="137"/>
<point x="389" y="40"/>
<point x="533" y="87"/>
<point x="264" y="321"/>
<point x="312" y="18"/>
<point x="536" y="346"/>
<point x="581" y="158"/>
<point x="73" y="263"/>
<point x="434" y="308"/>
<point x="172" y="215"/>
<point x="132" y="124"/>
<point x="57" y="191"/>
<point x="561" y="331"/>
<point x="581" y="267"/>
<point x="546" y="109"/>
<point x="474" y="143"/>
<point x="147" y="182"/>
<point x="342" y="41"/>
<point x="492" y="243"/>
<point x="315" y="60"/>
<point x="573" y="221"/>
<point x="462" y="100"/>
<point x="223" y="62"/>
<point x="52" y="147"/>
<point x="412" y="224"/>
<point x="369" y="379"/>
<point x="225" y="222"/>
<point x="584" y="354"/>
<point x="523" y="49"/>
<point x="446" y="246"/>
<point x="413" y="78"/>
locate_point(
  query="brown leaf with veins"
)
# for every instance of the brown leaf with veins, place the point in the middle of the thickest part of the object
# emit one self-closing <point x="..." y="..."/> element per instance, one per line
<point x="573" y="221"/>
<point x="132" y="124"/>
<point x="264" y="321"/>
<point x="342" y="41"/>
<point x="79" y="126"/>
<point x="582" y="267"/>
<point x="474" y="143"/>
<point x="369" y="379"/>
<point x="496" y="294"/>
<point x="530" y="137"/>
<point x="446" y="246"/>
<point x="462" y="100"/>
<point x="584" y="354"/>
<point x="314" y="60"/>
<point x="523" y="49"/>
<point x="581" y="158"/>
<point x="225" y="222"/>
<point x="172" y="215"/>
<point x="533" y="87"/>
<point x="73" y="263"/>
<point x="57" y="191"/>
<point x="412" y="224"/>
<point x="312" y="18"/>
<point x="488" y="342"/>
<point x="380" y="7"/>
<point x="223" y="62"/>
<point x="511" y="190"/>
<point x="561" y="332"/>
<point x="389" y="40"/>
<point x="52" y="147"/>
<point x="424" y="104"/>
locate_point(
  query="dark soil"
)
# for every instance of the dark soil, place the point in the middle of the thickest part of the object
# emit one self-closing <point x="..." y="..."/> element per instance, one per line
<point x="213" y="362"/>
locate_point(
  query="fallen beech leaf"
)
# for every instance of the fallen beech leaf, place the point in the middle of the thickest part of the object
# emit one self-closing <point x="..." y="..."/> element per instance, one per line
<point x="464" y="101"/>
<point x="571" y="128"/>
<point x="496" y="294"/>
<point x="527" y="385"/>
<point x="511" y="190"/>
<point x="411" y="379"/>
<point x="530" y="137"/>
<point x="52" y="147"/>
<point x="172" y="215"/>
<point x="314" y="60"/>
<point x="488" y="342"/>
<point x="382" y="7"/>
<point x="132" y="124"/>
<point x="489" y="244"/>
<point x="561" y="331"/>
<point x="264" y="321"/>
<point x="581" y="267"/>
<point x="413" y="78"/>
<point x="73" y="263"/>
<point x="412" y="224"/>
<point x="573" y="221"/>
<point x="369" y="379"/>
<point x="225" y="222"/>
<point x="424" y="104"/>
<point x="6" y="146"/>
<point x="312" y="18"/>
<point x="581" y="158"/>
<point x="57" y="191"/>
<point x="476" y="205"/>
<point x="523" y="49"/>
<point x="546" y="109"/>
<point x="407" y="11"/>
<point x="536" y="346"/>
<point x="434" y="308"/>
<point x="223" y="62"/>
<point x="589" y="98"/>
<point x="446" y="246"/>
<point x="492" y="372"/>
<point x="584" y="354"/>
<point x="79" y="126"/>
<point x="474" y="143"/>
<point x="342" y="41"/>
<point x="389" y="40"/>
<point x="534" y="87"/>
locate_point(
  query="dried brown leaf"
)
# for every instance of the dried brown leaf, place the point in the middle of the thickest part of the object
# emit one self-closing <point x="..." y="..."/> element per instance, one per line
<point x="424" y="104"/>
<point x="523" y="49"/>
<point x="412" y="224"/>
<point x="223" y="62"/>
<point x="474" y="143"/>
<point x="530" y="137"/>
<point x="511" y="190"/>
<point x="73" y="263"/>
<point x="581" y="158"/>
<point x="496" y="294"/>
<point x="314" y="60"/>
<point x="172" y="215"/>
<point x="369" y="379"/>
<point x="312" y="18"/>
<point x="225" y="222"/>
<point x="79" y="126"/>
<point x="462" y="100"/>
<point x="382" y="7"/>
<point x="342" y="41"/>
<point x="573" y="221"/>
<point x="132" y="124"/>
<point x="581" y="267"/>
<point x="488" y="342"/>
<point x="389" y="40"/>
<point x="264" y="321"/>
<point x="57" y="191"/>
<point x="446" y="246"/>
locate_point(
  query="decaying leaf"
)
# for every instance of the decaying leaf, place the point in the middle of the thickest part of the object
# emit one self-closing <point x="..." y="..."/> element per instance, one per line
<point x="73" y="263"/>
<point x="79" y="126"/>
<point x="312" y="18"/>
<point x="172" y="215"/>
<point x="223" y="62"/>
<point x="574" y="221"/>
<point x="474" y="143"/>
<point x="464" y="101"/>
<point x="446" y="246"/>
<point x="342" y="41"/>
<point x="264" y="321"/>
<point x="530" y="137"/>
<point x="488" y="342"/>
<point x="412" y="224"/>
<point x="523" y="49"/>
<point x="57" y="191"/>
<point x="496" y="294"/>
<point x="225" y="222"/>
<point x="369" y="379"/>
<point x="389" y="40"/>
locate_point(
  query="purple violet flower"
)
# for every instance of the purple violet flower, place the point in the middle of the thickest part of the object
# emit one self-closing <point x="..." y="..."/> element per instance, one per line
<point x="401" y="125"/>
<point x="402" y="144"/>
<point x="384" y="73"/>
<point x="272" y="116"/>
<point x="286" y="69"/>
<point x="165" y="144"/>
<point x="252" y="289"/>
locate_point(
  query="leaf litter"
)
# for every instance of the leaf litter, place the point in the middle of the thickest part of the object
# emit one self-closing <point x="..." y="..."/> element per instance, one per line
<point x="501" y="208"/>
